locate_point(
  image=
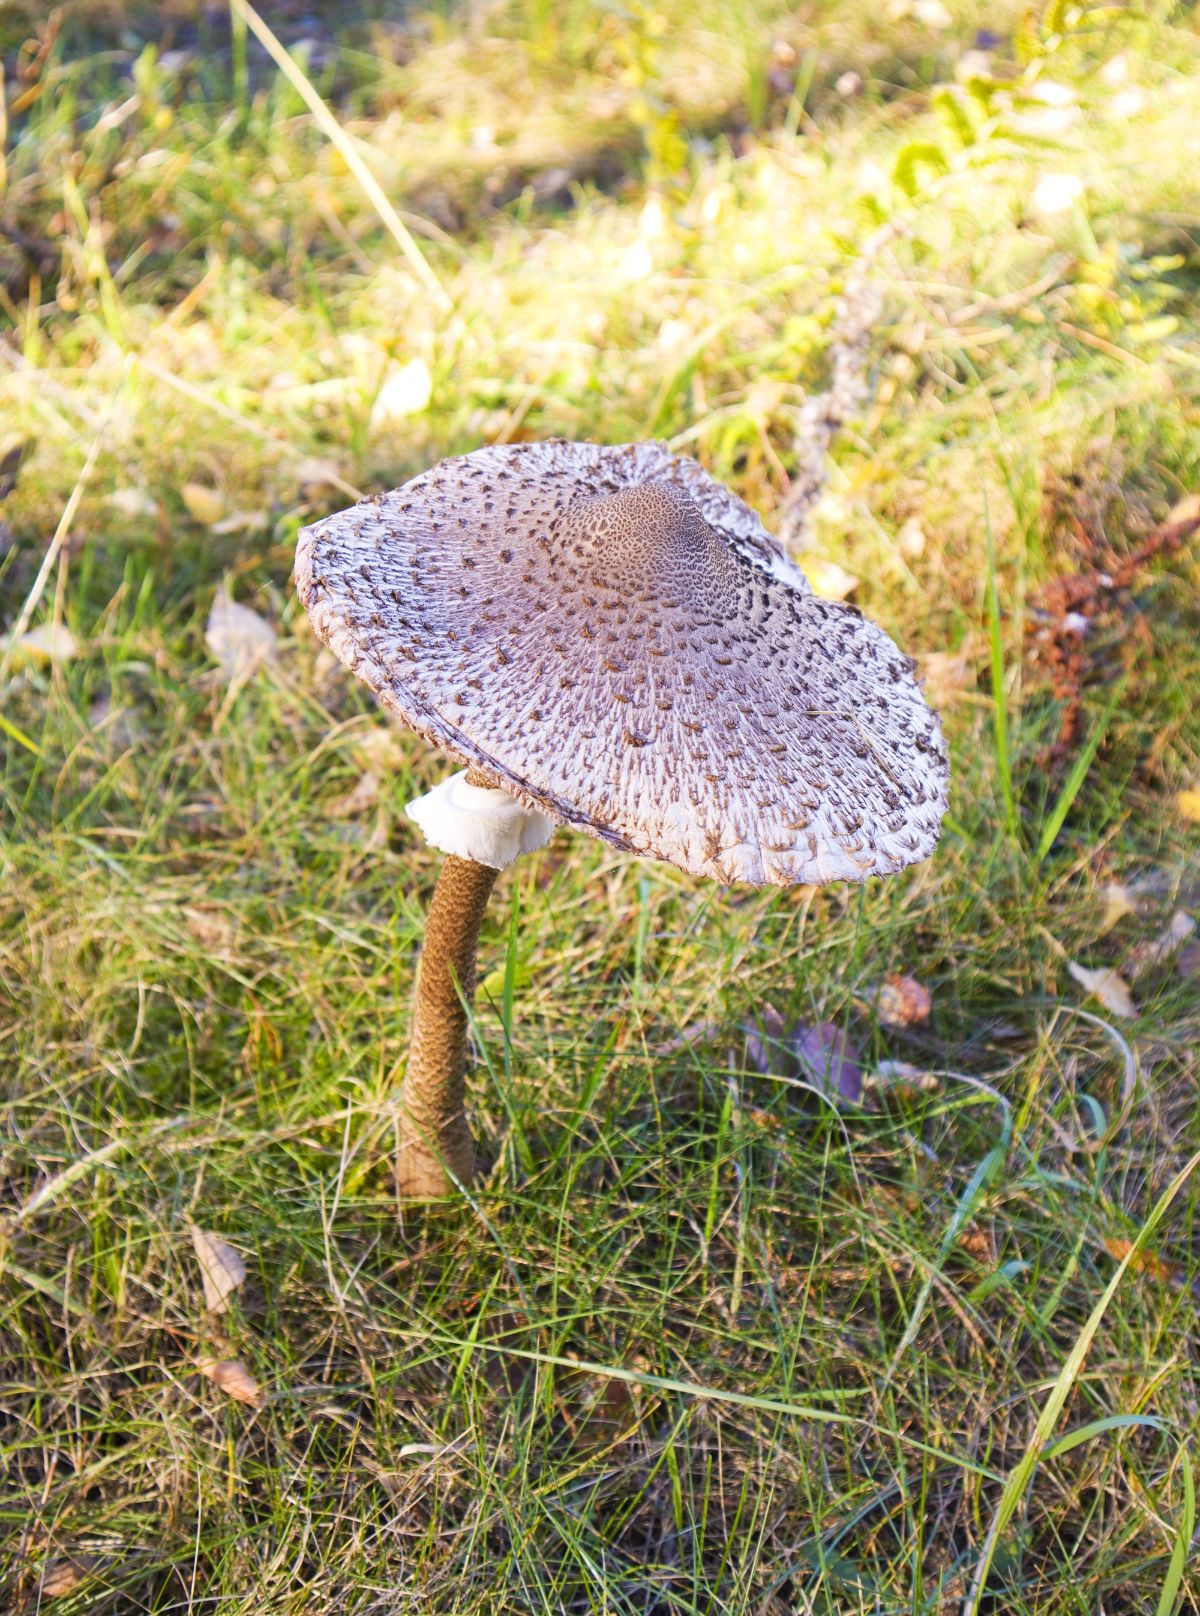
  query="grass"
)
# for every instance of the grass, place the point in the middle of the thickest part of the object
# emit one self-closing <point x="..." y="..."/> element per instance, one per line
<point x="697" y="1343"/>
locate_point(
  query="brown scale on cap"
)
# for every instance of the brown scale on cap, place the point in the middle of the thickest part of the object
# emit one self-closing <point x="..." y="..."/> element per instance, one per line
<point x="619" y="641"/>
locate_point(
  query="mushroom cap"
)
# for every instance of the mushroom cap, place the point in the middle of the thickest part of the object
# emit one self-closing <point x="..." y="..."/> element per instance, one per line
<point x="616" y="638"/>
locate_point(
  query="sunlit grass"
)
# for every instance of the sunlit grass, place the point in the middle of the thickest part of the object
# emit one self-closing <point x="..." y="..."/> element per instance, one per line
<point x="697" y="1343"/>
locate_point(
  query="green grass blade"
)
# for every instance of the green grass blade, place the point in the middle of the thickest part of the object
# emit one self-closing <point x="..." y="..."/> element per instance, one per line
<point x="1182" y="1547"/>
<point x="511" y="963"/>
<point x="346" y="148"/>
<point x="718" y="1394"/>
<point x="1022" y="1474"/>
<point x="19" y="735"/>
<point x="1094" y="1428"/>
<point x="967" y="1202"/>
<point x="58" y="1294"/>
<point x="999" y="693"/>
<point x="1079" y="770"/>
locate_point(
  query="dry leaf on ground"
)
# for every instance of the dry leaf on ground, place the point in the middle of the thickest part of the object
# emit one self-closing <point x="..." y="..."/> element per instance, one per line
<point x="242" y="522"/>
<point x="238" y="638"/>
<point x="1147" y="1262"/>
<point x="901" y="1079"/>
<point x="204" y="504"/>
<point x="358" y="800"/>
<point x="978" y="1244"/>
<point x="314" y="475"/>
<point x="49" y="642"/>
<point x="221" y="1268"/>
<point x="768" y="1028"/>
<point x="62" y="1577"/>
<point x="234" y="1379"/>
<point x="1145" y="956"/>
<point x="1188" y="804"/>
<point x="132" y="502"/>
<point x="380" y="749"/>
<point x="1117" y="904"/>
<point x="903" y="1002"/>
<point x="1105" y="985"/>
<point x="822" y="1055"/>
<point x="911" y="539"/>
<point x="696" y="1032"/>
<point x="829" y="580"/>
<point x="829" y="1058"/>
<point x="211" y="927"/>
<point x="946" y="676"/>
<point x="407" y="390"/>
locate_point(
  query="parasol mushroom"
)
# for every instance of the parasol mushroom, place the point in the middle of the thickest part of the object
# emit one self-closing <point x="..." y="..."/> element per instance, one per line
<point x="610" y="640"/>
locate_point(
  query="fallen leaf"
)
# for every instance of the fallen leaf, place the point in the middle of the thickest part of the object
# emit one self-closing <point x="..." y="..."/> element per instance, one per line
<point x="822" y="1054"/>
<point x="132" y="502"/>
<point x="978" y="1244"/>
<point x="1057" y="193"/>
<point x="234" y="1379"/>
<point x="903" y="1002"/>
<point x="380" y="749"/>
<point x="598" y="1409"/>
<point x="61" y="1577"/>
<point x="1128" y="103"/>
<point x="900" y="1078"/>
<point x="697" y="1032"/>
<point x="946" y="675"/>
<point x="830" y="1060"/>
<point x="1157" y="950"/>
<point x="314" y="475"/>
<point x="221" y="1268"/>
<point x="406" y="390"/>
<point x="358" y="800"/>
<point x="211" y="927"/>
<point x="828" y="579"/>
<point x="636" y="262"/>
<point x="1183" y="511"/>
<point x="911" y="539"/>
<point x="238" y="638"/>
<point x="1105" y="985"/>
<point x="1146" y="1262"/>
<point x="763" y="1119"/>
<point x="204" y="504"/>
<point x="242" y="522"/>
<point x="1188" y="804"/>
<point x="768" y="1029"/>
<point x="48" y="642"/>
<point x="1117" y="904"/>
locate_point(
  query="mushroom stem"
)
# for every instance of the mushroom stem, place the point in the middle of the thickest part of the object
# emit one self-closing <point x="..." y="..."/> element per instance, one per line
<point x="436" y="1147"/>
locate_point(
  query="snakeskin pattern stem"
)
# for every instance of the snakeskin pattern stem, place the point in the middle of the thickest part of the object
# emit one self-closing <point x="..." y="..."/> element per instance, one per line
<point x="436" y="1147"/>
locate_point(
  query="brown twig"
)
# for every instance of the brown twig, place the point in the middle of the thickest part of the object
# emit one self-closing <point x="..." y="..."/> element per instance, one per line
<point x="824" y="414"/>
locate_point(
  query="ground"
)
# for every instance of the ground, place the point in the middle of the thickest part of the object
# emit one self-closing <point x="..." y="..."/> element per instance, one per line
<point x="699" y="1340"/>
